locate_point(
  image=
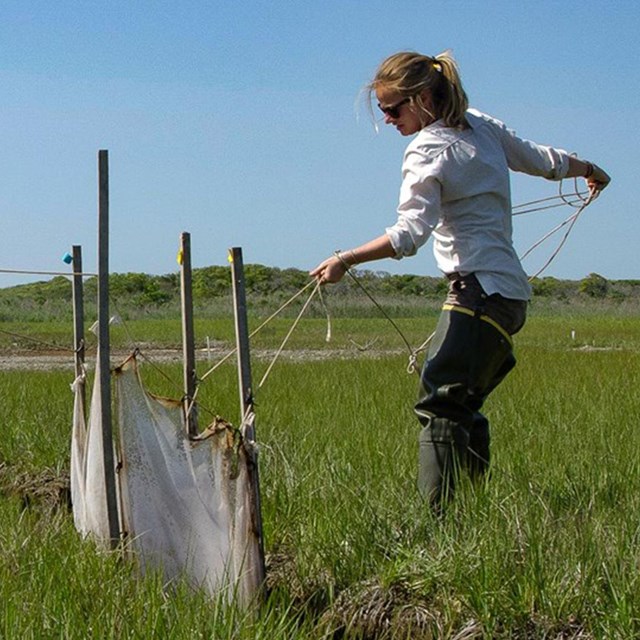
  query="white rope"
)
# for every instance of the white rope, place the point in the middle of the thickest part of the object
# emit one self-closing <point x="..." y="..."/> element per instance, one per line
<point x="253" y="333"/>
<point x="575" y="202"/>
<point x="76" y="385"/>
<point x="413" y="353"/>
<point x="326" y="310"/>
<point x="413" y="358"/>
<point x="572" y="222"/>
<point x="84" y="274"/>
<point x="547" y="235"/>
<point x="580" y="201"/>
<point x="50" y="345"/>
<point x="575" y="199"/>
<point x="293" y="326"/>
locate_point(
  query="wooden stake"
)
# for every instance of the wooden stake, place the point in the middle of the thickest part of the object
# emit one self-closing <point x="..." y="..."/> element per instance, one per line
<point x="188" y="347"/>
<point x="246" y="395"/>
<point x="104" y="347"/>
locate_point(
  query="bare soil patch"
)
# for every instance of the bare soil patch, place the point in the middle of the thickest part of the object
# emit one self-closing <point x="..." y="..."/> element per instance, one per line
<point x="55" y="360"/>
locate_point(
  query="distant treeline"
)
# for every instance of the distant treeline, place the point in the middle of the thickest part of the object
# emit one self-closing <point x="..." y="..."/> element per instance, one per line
<point x="51" y="299"/>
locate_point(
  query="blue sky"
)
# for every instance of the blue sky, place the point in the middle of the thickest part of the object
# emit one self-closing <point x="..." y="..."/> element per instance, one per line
<point x="240" y="122"/>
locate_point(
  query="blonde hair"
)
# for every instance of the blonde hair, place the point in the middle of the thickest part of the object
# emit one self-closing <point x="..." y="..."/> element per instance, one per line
<point x="409" y="74"/>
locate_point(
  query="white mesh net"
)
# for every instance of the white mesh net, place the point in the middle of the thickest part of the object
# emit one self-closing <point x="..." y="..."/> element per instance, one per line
<point x="187" y="507"/>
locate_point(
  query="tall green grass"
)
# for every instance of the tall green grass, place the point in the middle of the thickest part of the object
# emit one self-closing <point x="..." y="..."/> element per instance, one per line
<point x="546" y="548"/>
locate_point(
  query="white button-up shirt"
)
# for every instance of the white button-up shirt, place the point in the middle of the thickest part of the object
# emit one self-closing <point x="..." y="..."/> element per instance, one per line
<point x="455" y="187"/>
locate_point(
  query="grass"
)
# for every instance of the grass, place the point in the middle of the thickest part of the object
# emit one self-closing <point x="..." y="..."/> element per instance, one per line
<point x="548" y="548"/>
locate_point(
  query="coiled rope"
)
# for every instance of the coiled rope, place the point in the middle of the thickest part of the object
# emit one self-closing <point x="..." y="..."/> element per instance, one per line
<point x="577" y="199"/>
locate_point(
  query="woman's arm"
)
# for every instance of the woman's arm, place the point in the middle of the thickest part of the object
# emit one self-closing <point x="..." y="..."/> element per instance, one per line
<point x="539" y="160"/>
<point x="333" y="269"/>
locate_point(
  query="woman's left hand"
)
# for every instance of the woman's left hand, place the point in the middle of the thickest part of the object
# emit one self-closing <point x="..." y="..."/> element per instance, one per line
<point x="598" y="180"/>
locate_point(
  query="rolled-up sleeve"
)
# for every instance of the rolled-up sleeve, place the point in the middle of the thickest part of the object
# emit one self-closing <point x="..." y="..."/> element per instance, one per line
<point x="531" y="158"/>
<point x="419" y="205"/>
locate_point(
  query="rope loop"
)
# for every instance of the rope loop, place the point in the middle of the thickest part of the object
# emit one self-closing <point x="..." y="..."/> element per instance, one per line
<point x="578" y="200"/>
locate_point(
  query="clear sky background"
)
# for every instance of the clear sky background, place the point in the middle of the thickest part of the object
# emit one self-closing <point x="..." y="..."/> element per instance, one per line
<point x="240" y="122"/>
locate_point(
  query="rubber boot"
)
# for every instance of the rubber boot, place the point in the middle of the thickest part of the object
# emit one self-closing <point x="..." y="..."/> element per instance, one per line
<point x="478" y="454"/>
<point x="468" y="358"/>
<point x="443" y="446"/>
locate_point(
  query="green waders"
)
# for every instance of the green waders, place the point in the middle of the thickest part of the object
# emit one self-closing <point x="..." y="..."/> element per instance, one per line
<point x="469" y="355"/>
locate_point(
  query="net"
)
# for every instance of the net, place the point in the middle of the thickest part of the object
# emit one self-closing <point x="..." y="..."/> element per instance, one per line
<point x="188" y="507"/>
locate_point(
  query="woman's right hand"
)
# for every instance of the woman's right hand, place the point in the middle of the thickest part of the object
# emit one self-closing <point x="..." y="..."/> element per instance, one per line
<point x="330" y="270"/>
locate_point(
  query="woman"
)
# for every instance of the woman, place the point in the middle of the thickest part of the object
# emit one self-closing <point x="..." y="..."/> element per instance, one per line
<point x="455" y="188"/>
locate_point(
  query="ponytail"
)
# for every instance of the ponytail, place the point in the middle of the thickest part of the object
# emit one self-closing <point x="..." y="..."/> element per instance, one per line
<point x="452" y="101"/>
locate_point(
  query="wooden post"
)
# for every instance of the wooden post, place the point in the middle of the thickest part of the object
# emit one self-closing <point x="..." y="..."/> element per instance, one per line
<point x="78" y="319"/>
<point x="246" y="395"/>
<point x="104" y="347"/>
<point x="242" y="330"/>
<point x="188" y="347"/>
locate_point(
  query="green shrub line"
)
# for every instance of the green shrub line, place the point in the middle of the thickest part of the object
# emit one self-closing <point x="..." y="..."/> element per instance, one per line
<point x="139" y="295"/>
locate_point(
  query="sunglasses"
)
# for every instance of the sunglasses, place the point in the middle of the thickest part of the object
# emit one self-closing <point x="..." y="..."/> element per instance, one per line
<point x="394" y="110"/>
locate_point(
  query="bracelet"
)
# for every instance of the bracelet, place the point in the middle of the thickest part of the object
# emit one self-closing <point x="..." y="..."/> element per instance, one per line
<point x="338" y="254"/>
<point x="590" y="169"/>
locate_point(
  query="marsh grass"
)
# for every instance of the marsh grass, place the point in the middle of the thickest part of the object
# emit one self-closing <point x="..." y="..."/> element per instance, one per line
<point x="546" y="548"/>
